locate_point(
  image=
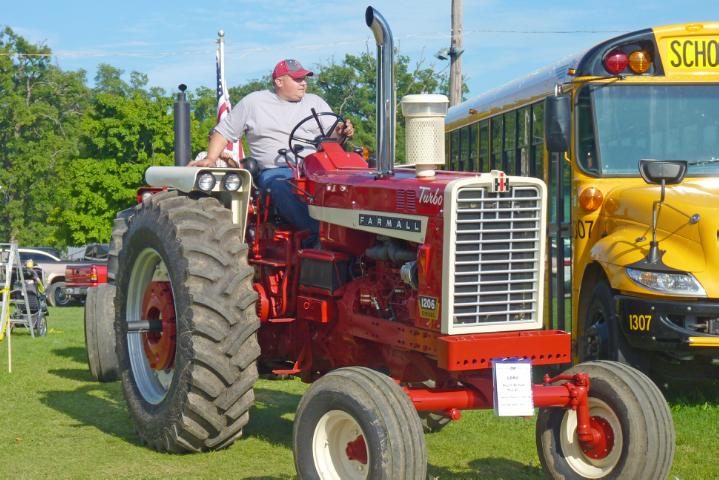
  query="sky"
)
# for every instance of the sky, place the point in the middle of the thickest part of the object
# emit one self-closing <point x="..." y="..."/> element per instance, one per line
<point x="174" y="42"/>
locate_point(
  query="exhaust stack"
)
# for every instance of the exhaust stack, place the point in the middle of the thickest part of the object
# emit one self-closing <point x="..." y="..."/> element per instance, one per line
<point x="182" y="128"/>
<point x="386" y="117"/>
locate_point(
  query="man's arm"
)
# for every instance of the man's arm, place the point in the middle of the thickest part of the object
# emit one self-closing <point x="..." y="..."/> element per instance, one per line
<point x="214" y="150"/>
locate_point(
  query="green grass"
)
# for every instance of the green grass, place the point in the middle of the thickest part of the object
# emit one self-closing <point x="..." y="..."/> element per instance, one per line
<point x="57" y="423"/>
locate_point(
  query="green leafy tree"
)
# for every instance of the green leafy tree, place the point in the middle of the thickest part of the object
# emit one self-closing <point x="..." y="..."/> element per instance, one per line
<point x="41" y="109"/>
<point x="124" y="130"/>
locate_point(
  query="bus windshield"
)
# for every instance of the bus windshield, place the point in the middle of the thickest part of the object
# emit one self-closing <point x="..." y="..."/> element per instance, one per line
<point x="618" y="125"/>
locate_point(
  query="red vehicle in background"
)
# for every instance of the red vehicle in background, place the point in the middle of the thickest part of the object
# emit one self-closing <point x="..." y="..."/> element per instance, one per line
<point x="91" y="273"/>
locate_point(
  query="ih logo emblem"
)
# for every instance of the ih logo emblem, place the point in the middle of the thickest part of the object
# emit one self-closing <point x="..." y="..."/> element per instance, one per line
<point x="500" y="182"/>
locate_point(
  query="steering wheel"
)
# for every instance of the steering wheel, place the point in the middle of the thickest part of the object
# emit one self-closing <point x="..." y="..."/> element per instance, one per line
<point x="295" y="142"/>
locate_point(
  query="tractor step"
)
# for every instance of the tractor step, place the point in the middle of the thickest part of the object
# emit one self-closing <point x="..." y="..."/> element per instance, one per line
<point x="282" y="320"/>
<point x="291" y="371"/>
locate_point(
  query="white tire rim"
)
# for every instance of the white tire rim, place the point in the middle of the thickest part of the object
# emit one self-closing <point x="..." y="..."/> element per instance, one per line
<point x="334" y="431"/>
<point x="577" y="460"/>
<point x="152" y="384"/>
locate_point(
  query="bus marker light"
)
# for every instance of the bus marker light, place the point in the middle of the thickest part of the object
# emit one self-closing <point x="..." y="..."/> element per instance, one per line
<point x="616" y="61"/>
<point x="640" y="61"/>
<point x="591" y="199"/>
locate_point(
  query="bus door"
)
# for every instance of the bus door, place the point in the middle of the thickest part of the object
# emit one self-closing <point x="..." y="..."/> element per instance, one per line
<point x="557" y="126"/>
<point x="559" y="239"/>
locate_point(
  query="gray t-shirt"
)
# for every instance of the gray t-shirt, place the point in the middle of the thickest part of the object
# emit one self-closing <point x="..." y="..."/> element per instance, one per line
<point x="267" y="121"/>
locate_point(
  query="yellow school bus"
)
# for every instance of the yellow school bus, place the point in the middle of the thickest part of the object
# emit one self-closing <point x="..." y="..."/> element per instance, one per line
<point x="633" y="256"/>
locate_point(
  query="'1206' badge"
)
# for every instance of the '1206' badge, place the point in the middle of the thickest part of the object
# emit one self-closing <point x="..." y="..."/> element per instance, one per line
<point x="428" y="307"/>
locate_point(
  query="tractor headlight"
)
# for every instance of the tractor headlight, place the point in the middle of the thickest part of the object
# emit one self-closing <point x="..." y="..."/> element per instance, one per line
<point x="673" y="283"/>
<point x="232" y="182"/>
<point x="206" y="181"/>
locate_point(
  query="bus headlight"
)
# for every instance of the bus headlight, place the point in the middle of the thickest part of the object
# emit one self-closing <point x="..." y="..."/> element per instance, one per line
<point x="673" y="283"/>
<point x="232" y="182"/>
<point x="206" y="181"/>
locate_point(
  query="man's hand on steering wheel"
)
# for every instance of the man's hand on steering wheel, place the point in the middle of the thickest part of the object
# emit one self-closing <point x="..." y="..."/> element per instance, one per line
<point x="338" y="132"/>
<point x="343" y="130"/>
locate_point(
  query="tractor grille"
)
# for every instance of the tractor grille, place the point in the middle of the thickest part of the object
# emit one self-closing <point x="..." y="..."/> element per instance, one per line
<point x="497" y="257"/>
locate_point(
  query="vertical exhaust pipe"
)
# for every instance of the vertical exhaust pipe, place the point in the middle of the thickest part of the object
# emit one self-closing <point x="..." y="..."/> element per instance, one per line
<point x="386" y="117"/>
<point x="182" y="128"/>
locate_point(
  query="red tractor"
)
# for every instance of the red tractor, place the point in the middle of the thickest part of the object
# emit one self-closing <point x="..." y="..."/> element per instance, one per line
<point x="423" y="284"/>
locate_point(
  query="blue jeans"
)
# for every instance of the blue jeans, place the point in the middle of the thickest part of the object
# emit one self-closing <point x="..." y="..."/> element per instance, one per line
<point x="294" y="211"/>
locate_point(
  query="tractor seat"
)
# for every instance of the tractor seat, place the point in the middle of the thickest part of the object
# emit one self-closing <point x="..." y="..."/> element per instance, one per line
<point x="251" y="165"/>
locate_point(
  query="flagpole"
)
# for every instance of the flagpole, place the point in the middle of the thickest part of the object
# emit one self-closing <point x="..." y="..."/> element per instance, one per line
<point x="221" y="43"/>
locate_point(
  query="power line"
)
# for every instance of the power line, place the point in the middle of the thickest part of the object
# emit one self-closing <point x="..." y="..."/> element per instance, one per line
<point x="243" y="52"/>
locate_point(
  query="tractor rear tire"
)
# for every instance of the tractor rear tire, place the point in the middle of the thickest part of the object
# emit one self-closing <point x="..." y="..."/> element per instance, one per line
<point x="357" y="423"/>
<point x="634" y="416"/>
<point x="198" y="398"/>
<point x="100" y="334"/>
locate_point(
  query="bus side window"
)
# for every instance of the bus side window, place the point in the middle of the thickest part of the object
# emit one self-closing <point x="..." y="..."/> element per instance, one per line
<point x="484" y="146"/>
<point x="447" y="152"/>
<point x="523" y="141"/>
<point x="454" y="160"/>
<point x="472" y="158"/>
<point x="496" y="146"/>
<point x="537" y="149"/>
<point x="586" y="143"/>
<point x="463" y="148"/>
<point x="510" y="142"/>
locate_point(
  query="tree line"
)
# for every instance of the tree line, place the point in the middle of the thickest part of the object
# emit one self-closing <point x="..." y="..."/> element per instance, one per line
<point x="72" y="155"/>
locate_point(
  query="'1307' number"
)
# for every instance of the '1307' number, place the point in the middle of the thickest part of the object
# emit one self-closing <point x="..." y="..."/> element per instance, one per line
<point x="583" y="228"/>
<point x="639" y="323"/>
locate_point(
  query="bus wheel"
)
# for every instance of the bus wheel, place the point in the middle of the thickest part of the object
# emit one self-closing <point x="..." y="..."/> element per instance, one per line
<point x="630" y="414"/>
<point x="601" y="337"/>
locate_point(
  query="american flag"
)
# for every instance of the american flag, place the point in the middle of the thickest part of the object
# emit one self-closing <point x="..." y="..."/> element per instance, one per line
<point x="223" y="96"/>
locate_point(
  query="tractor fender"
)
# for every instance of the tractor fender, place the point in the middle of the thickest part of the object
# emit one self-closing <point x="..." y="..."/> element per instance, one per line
<point x="184" y="179"/>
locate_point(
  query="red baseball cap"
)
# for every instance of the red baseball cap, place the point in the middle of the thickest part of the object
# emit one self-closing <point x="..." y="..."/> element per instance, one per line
<point x="290" y="67"/>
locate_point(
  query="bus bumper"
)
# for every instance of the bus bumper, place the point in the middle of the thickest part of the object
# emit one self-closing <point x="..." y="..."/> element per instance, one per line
<point x="670" y="325"/>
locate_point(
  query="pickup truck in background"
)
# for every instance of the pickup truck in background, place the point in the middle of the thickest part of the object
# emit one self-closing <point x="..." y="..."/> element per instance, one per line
<point x="90" y="273"/>
<point x="48" y="262"/>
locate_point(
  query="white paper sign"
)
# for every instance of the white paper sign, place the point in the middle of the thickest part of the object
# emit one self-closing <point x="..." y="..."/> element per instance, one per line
<point x="512" y="380"/>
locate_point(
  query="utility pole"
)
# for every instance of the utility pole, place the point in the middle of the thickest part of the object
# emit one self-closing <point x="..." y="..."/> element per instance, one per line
<point x="455" y="52"/>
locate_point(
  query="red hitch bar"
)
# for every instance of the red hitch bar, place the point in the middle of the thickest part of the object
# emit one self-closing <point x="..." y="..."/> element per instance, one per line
<point x="573" y="394"/>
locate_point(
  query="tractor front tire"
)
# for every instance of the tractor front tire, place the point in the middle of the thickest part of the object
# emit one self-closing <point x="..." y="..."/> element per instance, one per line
<point x="100" y="334"/>
<point x="633" y="417"/>
<point x="189" y="387"/>
<point x="357" y="423"/>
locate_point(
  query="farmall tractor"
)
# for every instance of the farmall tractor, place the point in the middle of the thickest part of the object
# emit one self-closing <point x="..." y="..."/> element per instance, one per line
<point x="424" y="283"/>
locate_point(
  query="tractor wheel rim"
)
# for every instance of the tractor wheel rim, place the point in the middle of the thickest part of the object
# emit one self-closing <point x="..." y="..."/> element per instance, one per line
<point x="586" y="464"/>
<point x="157" y="304"/>
<point x="152" y="383"/>
<point x="339" y="447"/>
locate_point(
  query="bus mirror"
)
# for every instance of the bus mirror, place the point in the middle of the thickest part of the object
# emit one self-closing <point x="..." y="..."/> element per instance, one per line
<point x="557" y="122"/>
<point x="667" y="172"/>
